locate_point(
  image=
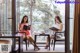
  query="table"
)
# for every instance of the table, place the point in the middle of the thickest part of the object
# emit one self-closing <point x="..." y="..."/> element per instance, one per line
<point x="13" y="42"/>
<point x="43" y="35"/>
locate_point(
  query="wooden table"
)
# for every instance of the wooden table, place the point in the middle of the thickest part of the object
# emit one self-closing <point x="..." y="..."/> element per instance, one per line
<point x="4" y="41"/>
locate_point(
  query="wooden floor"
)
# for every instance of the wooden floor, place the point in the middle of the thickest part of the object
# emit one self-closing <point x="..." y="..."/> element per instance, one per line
<point x="58" y="49"/>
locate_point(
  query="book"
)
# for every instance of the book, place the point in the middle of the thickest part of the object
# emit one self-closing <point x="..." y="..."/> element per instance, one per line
<point x="26" y="27"/>
<point x="55" y="27"/>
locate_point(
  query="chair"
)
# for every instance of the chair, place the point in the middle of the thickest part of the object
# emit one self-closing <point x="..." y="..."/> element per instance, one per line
<point x="56" y="38"/>
<point x="25" y="40"/>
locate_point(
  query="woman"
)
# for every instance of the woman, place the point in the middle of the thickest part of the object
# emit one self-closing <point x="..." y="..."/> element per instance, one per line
<point x="59" y="24"/>
<point x="28" y="33"/>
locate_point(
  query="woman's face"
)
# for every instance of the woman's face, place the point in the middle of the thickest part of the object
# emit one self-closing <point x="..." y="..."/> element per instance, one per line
<point x="57" y="21"/>
<point x="25" y="19"/>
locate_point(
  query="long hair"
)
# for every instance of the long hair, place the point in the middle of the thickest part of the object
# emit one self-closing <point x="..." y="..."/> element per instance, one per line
<point x="58" y="19"/>
<point x="23" y="19"/>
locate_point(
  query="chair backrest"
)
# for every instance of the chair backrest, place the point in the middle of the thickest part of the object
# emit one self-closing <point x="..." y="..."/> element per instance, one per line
<point x="60" y="36"/>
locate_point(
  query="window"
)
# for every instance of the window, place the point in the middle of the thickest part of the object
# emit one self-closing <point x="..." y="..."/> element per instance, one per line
<point x="41" y="14"/>
<point x="5" y="16"/>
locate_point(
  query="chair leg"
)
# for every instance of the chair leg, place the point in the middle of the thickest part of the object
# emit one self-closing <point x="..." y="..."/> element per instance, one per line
<point x="25" y="40"/>
<point x="28" y="43"/>
<point x="54" y="44"/>
<point x="51" y="43"/>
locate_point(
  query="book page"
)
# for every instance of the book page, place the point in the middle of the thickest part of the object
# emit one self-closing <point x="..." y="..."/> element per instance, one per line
<point x="56" y="26"/>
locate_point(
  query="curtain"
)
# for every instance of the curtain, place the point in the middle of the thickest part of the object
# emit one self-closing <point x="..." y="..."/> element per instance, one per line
<point x="76" y="28"/>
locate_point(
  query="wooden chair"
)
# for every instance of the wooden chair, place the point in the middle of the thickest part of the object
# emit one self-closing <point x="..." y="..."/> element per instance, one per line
<point x="25" y="39"/>
<point x="56" y="38"/>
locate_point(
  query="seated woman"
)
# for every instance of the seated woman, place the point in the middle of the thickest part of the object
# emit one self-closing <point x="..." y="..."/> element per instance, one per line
<point x="28" y="33"/>
<point x="59" y="24"/>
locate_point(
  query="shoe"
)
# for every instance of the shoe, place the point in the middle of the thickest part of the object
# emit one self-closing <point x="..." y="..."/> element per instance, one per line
<point x="46" y="46"/>
<point x="36" y="47"/>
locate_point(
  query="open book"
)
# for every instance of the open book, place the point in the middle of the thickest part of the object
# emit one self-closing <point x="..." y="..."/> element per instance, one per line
<point x="26" y="27"/>
<point x="54" y="27"/>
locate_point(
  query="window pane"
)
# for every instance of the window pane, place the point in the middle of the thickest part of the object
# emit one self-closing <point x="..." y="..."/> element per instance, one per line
<point x="5" y="22"/>
<point x="44" y="12"/>
<point x="41" y="14"/>
<point x="71" y="23"/>
<point x="22" y="8"/>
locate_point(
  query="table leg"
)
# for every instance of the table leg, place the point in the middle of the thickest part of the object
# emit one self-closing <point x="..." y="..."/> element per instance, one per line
<point x="35" y="42"/>
<point x="49" y="41"/>
<point x="20" y="45"/>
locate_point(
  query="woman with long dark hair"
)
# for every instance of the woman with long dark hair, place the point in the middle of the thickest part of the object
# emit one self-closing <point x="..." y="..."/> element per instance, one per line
<point x="58" y="24"/>
<point x="23" y="23"/>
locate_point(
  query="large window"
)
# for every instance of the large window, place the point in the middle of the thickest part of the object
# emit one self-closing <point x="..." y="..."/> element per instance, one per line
<point x="41" y="14"/>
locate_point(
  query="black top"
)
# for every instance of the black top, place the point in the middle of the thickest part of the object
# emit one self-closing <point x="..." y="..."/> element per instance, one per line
<point x="26" y="27"/>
